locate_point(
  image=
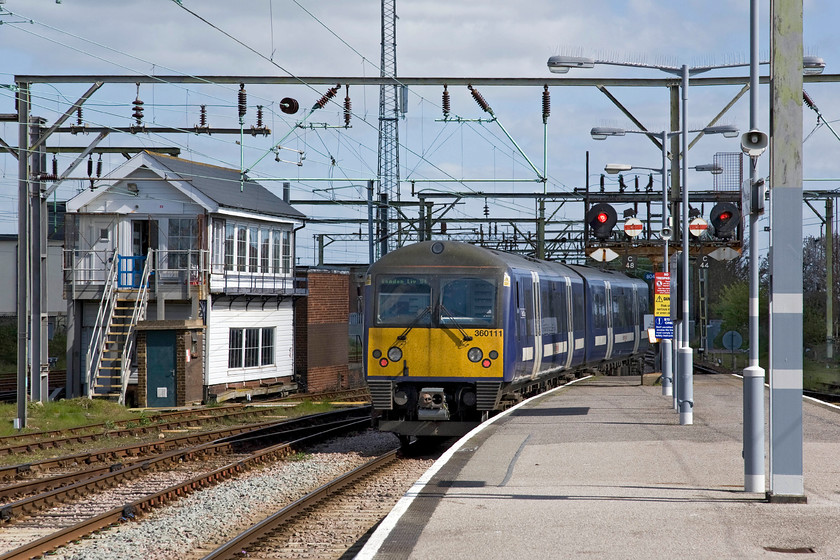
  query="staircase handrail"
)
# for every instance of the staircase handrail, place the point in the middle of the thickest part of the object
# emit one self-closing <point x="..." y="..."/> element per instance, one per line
<point x="106" y="307"/>
<point x="138" y="314"/>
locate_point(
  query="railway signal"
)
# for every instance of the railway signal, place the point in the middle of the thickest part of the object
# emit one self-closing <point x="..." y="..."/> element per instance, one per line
<point x="601" y="218"/>
<point x="725" y="218"/>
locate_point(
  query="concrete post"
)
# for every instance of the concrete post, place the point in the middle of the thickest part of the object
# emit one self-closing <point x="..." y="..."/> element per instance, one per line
<point x="786" y="475"/>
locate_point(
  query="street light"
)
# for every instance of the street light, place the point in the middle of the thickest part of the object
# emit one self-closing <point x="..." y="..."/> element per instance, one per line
<point x="561" y="64"/>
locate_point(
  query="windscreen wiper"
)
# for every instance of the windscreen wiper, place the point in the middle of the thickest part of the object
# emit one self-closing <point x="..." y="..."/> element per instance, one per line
<point x="414" y="322"/>
<point x="464" y="334"/>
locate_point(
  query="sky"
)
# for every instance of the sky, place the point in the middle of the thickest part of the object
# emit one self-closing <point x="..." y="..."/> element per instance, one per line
<point x="468" y="38"/>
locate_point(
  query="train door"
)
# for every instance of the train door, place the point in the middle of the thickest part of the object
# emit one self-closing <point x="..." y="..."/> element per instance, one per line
<point x="570" y="324"/>
<point x="636" y="319"/>
<point x="538" y="347"/>
<point x="608" y="301"/>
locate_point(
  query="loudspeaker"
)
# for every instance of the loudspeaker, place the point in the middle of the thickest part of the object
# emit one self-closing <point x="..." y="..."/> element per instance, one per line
<point x="753" y="143"/>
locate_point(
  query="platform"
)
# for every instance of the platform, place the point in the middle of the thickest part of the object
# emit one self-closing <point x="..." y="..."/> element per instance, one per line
<point x="602" y="469"/>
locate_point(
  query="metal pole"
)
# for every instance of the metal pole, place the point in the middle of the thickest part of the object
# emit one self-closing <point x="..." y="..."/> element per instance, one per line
<point x="676" y="182"/>
<point x="829" y="279"/>
<point x="370" y="222"/>
<point x="753" y="374"/>
<point x="686" y="387"/>
<point x="665" y="349"/>
<point x="35" y="277"/>
<point x="22" y="268"/>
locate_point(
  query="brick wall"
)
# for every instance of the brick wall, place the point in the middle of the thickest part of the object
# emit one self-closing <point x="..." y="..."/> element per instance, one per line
<point x="321" y="331"/>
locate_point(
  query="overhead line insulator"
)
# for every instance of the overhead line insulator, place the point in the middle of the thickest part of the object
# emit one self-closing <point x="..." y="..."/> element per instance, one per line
<point x="546" y="104"/>
<point x="138" y="107"/>
<point x="321" y="103"/>
<point x="347" y="106"/>
<point x="242" y="98"/>
<point x="446" y="102"/>
<point x="480" y="100"/>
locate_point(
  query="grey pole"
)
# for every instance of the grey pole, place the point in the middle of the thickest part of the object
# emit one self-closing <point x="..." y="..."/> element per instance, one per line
<point x="370" y="222"/>
<point x="22" y="268"/>
<point x="665" y="350"/>
<point x="34" y="239"/>
<point x="686" y="385"/>
<point x="753" y="374"/>
<point x="786" y="473"/>
<point x="829" y="279"/>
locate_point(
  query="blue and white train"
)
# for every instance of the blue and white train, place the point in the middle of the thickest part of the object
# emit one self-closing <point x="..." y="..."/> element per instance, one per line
<point x="455" y="333"/>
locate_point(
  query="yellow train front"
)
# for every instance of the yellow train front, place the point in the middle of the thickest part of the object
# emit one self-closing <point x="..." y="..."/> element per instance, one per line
<point x="434" y="341"/>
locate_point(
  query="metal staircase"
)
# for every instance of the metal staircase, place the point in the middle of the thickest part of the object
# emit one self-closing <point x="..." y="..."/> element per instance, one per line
<point x="124" y="302"/>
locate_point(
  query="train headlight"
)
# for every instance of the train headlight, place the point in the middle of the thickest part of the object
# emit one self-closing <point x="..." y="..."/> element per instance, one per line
<point x="475" y="354"/>
<point x="400" y="397"/>
<point x="493" y="354"/>
<point x="376" y="354"/>
<point x="486" y="363"/>
<point x="394" y="354"/>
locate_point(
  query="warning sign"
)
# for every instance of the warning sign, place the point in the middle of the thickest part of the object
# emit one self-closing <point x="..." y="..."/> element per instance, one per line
<point x="662" y="283"/>
<point x="662" y="305"/>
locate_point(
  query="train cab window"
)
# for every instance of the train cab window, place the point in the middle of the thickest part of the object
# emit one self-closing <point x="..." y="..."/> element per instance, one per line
<point x="468" y="301"/>
<point x="400" y="300"/>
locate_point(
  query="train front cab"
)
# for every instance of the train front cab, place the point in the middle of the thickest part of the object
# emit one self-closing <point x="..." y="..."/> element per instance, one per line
<point x="434" y="348"/>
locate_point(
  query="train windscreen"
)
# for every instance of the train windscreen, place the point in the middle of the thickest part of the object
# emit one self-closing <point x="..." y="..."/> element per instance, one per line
<point x="468" y="301"/>
<point x="400" y="300"/>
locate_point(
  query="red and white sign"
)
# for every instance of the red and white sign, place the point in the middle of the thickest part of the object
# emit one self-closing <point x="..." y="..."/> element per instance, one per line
<point x="633" y="227"/>
<point x="662" y="283"/>
<point x="697" y="227"/>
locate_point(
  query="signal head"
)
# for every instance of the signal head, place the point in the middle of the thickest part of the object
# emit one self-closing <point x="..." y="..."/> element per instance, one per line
<point x="725" y="218"/>
<point x="601" y="218"/>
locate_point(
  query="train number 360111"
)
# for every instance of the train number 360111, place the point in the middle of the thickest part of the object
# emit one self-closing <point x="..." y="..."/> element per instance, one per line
<point x="487" y="332"/>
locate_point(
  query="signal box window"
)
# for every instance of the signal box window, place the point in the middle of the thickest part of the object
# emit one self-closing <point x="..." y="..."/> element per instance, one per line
<point x="403" y="299"/>
<point x="468" y="301"/>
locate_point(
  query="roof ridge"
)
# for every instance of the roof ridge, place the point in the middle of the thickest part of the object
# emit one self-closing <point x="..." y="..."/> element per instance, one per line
<point x="190" y="161"/>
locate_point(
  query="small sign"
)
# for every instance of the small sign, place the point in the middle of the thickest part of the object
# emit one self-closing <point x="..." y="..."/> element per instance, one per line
<point x="161" y="392"/>
<point x="649" y="276"/>
<point x="662" y="283"/>
<point x="724" y="254"/>
<point x="663" y="327"/>
<point x="604" y="255"/>
<point x="630" y="262"/>
<point x="704" y="261"/>
<point x="732" y="340"/>
<point x="697" y="227"/>
<point x="633" y="227"/>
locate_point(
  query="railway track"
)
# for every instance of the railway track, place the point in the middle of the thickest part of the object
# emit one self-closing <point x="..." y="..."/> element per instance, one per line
<point x="126" y="493"/>
<point x="29" y="442"/>
<point x="333" y="520"/>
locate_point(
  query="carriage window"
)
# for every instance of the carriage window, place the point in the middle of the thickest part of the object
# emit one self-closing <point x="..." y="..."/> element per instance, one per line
<point x="402" y="299"/>
<point x="599" y="307"/>
<point x="468" y="301"/>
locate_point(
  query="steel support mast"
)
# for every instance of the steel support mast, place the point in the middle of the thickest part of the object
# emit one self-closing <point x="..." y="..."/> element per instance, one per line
<point x="388" y="171"/>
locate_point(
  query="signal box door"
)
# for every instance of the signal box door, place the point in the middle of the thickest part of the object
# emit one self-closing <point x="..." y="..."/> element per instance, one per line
<point x="160" y="368"/>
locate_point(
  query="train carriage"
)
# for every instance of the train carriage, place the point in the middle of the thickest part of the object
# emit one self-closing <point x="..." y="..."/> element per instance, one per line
<point x="456" y="332"/>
